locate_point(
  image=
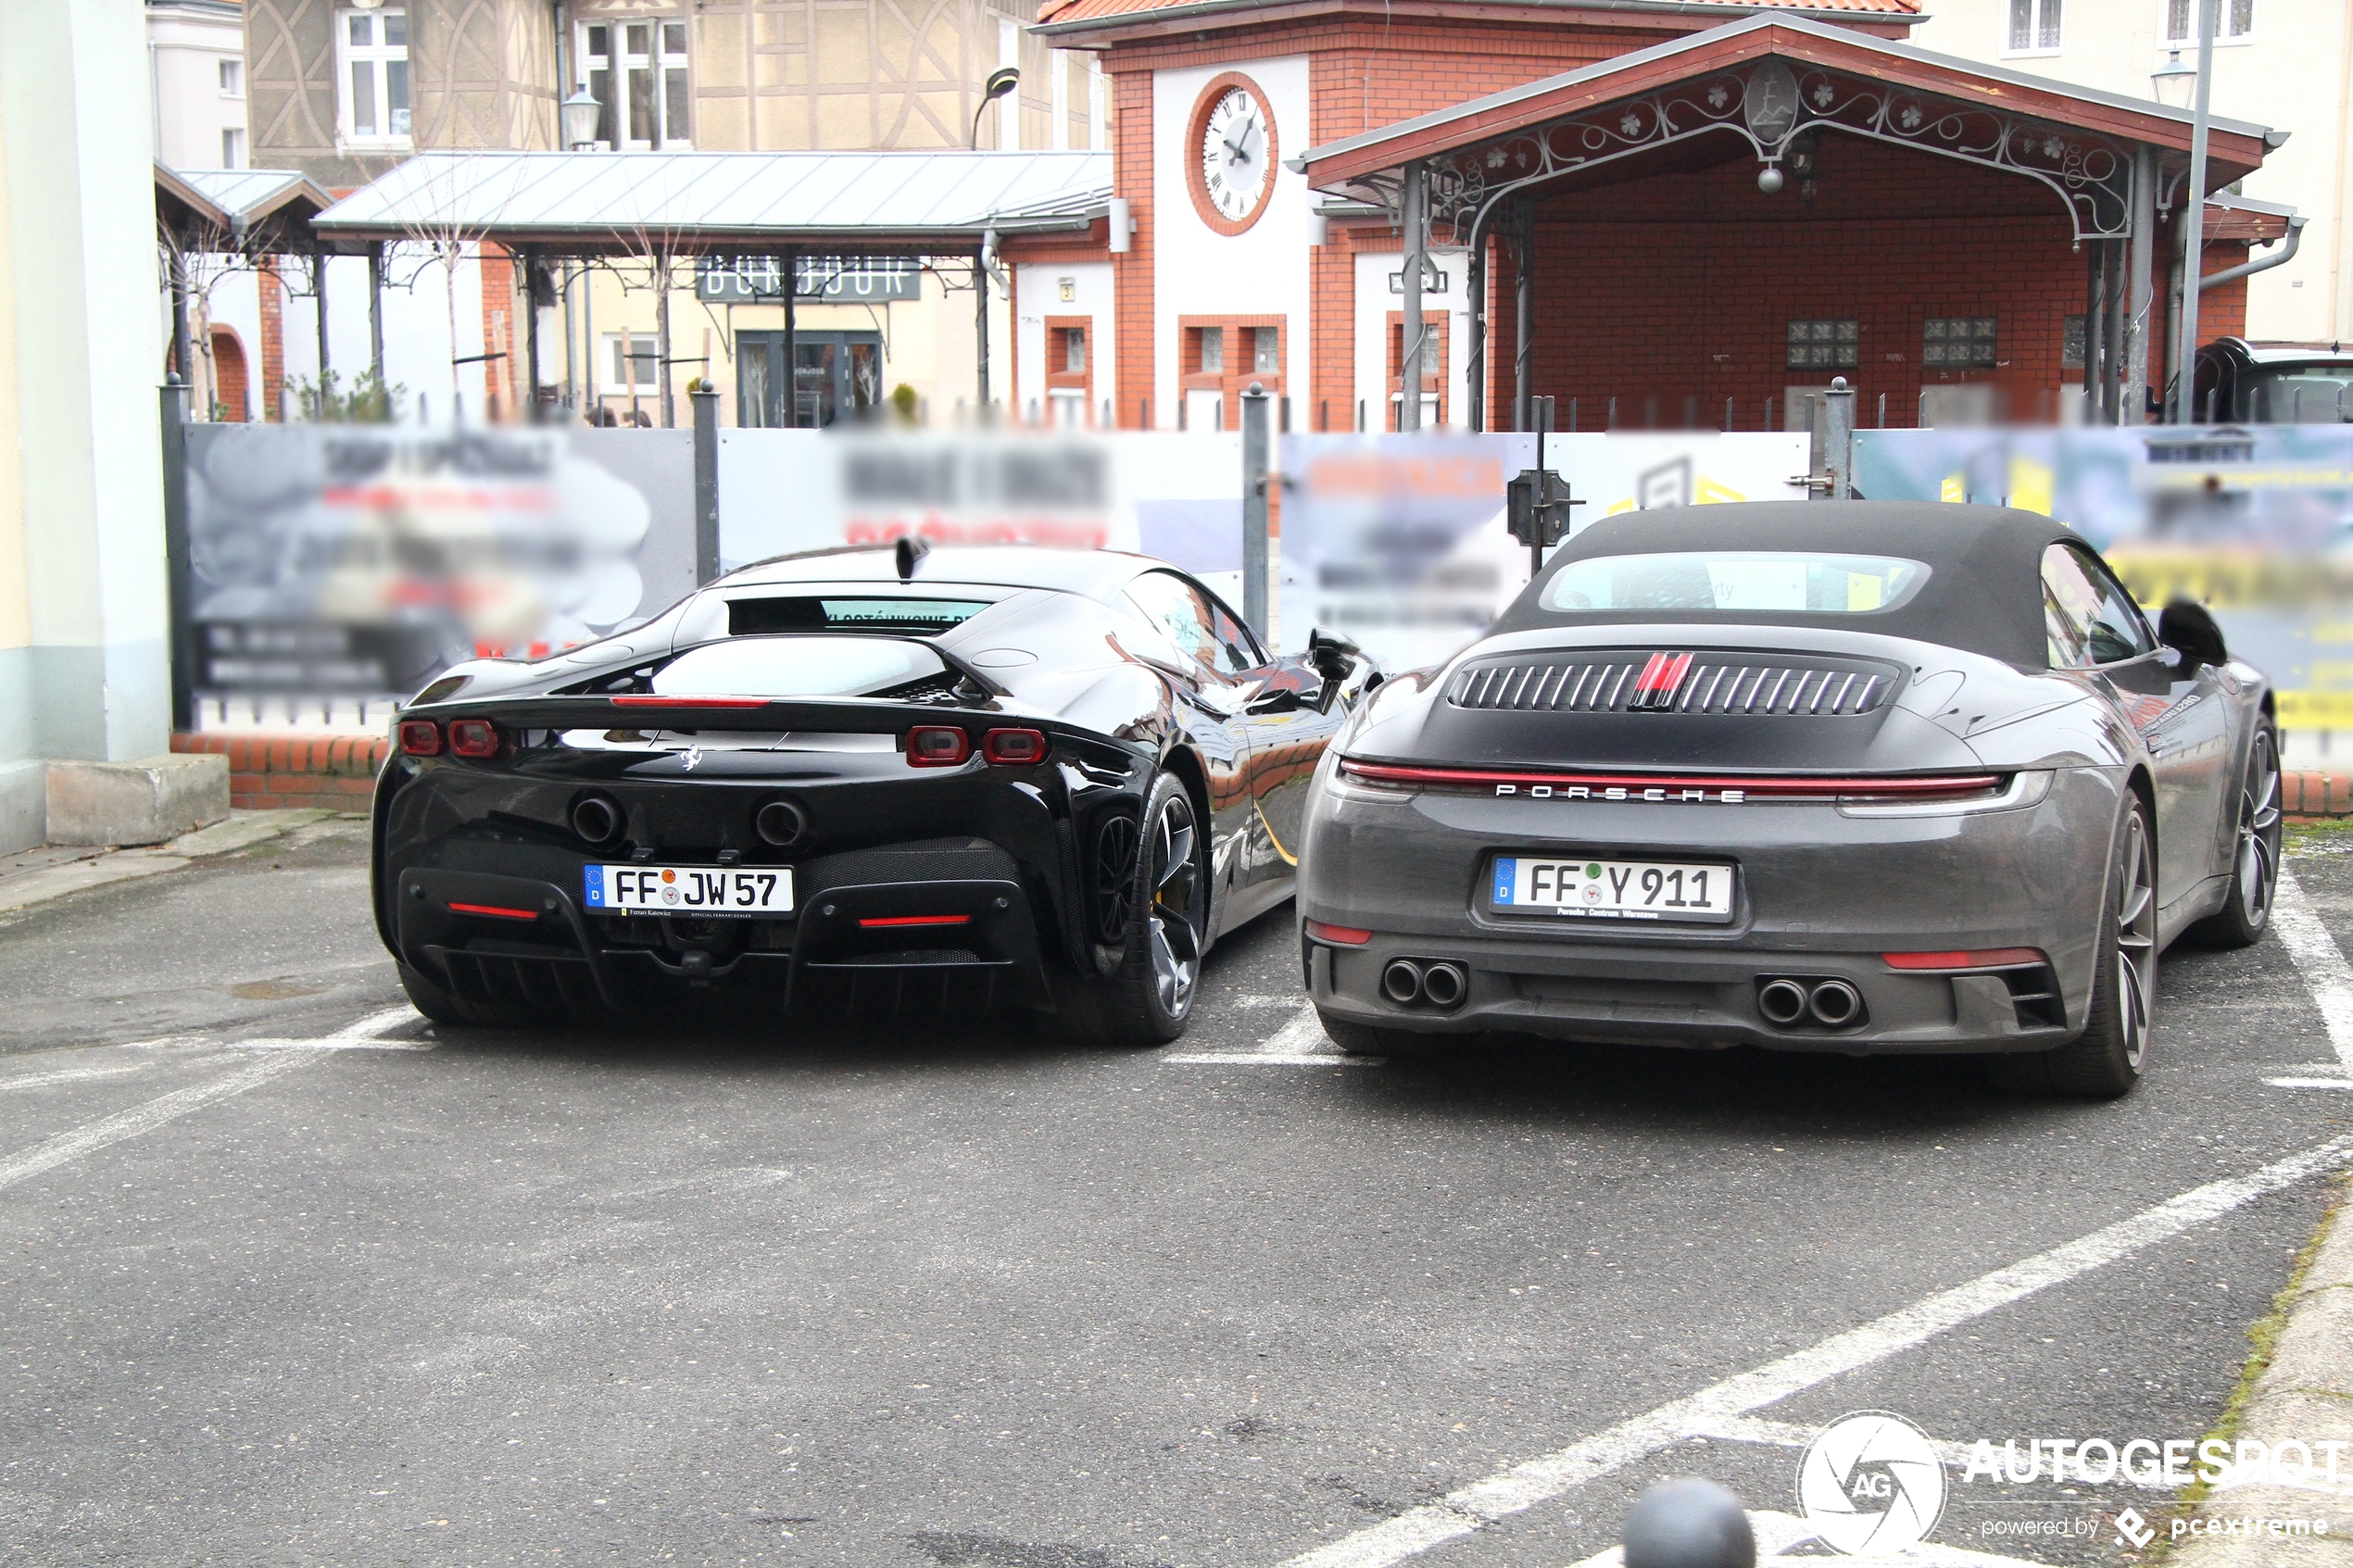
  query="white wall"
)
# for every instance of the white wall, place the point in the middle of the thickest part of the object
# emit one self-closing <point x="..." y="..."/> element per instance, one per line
<point x="186" y="43"/>
<point x="2292" y="73"/>
<point x="1040" y="285"/>
<point x="1196" y="270"/>
<point x="82" y="666"/>
<point x="1374" y="302"/>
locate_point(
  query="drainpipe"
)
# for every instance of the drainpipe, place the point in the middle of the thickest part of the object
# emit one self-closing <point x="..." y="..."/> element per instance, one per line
<point x="2261" y="263"/>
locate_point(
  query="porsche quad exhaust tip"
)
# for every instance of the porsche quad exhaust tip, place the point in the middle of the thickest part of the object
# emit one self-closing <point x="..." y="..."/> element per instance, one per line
<point x="1787" y="1002"/>
<point x="1782" y="1002"/>
<point x="1434" y="982"/>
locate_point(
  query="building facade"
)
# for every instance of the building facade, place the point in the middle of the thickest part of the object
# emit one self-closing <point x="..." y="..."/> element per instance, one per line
<point x="2287" y="63"/>
<point x="197" y="84"/>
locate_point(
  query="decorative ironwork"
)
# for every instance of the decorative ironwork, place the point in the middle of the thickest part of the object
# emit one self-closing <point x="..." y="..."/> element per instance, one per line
<point x="1768" y="104"/>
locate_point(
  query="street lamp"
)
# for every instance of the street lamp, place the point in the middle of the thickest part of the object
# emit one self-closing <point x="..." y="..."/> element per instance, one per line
<point x="2174" y="82"/>
<point x="581" y="114"/>
<point x="1002" y="80"/>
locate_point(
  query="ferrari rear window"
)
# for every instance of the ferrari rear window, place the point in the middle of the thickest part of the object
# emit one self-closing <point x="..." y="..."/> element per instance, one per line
<point x="1786" y="581"/>
<point x="826" y="613"/>
<point x="806" y="667"/>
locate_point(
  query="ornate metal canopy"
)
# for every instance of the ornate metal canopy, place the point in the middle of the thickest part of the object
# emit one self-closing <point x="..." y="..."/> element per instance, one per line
<point x="1769" y="102"/>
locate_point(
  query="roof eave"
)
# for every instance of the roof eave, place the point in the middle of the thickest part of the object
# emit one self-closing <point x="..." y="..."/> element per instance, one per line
<point x="1192" y="12"/>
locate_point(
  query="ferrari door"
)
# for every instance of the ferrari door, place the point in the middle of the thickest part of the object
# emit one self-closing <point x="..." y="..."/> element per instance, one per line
<point x="1214" y="697"/>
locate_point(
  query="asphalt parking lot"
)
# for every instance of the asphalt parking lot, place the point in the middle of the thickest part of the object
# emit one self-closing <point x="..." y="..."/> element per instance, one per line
<point x="292" y="1278"/>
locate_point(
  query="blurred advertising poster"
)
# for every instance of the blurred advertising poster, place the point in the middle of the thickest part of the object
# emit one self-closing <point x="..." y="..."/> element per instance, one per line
<point x="2252" y="522"/>
<point x="1399" y="543"/>
<point x="1175" y="496"/>
<point x="361" y="559"/>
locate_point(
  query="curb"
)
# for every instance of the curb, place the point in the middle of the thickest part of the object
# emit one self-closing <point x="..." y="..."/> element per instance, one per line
<point x="2306" y="1395"/>
<point x="2309" y="794"/>
<point x="100" y="868"/>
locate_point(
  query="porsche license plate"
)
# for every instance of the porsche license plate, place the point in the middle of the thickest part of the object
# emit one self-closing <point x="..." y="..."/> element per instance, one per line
<point x="1613" y="889"/>
<point x="747" y="891"/>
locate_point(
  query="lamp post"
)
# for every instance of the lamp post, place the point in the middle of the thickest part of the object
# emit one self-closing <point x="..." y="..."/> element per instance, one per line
<point x="1002" y="80"/>
<point x="580" y="114"/>
<point x="2193" y="214"/>
<point x="2174" y="82"/>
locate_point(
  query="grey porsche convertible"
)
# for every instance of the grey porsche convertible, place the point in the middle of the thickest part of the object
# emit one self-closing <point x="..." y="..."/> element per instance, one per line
<point x="1860" y="777"/>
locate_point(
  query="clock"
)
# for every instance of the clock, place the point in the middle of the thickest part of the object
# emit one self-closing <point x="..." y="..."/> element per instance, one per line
<point x="1230" y="153"/>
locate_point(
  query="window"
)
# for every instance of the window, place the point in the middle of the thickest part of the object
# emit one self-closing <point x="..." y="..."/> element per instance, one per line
<point x="2233" y="24"/>
<point x="1199" y="625"/>
<point x="629" y="362"/>
<point x="1817" y="345"/>
<point x="1074" y="351"/>
<point x="2072" y="342"/>
<point x="1212" y="351"/>
<point x="1961" y="343"/>
<point x="233" y="79"/>
<point x="2087" y="617"/>
<point x="2035" y="27"/>
<point x="1781" y="580"/>
<point x="1266" y="350"/>
<point x="233" y="148"/>
<point x="374" y="46"/>
<point x="638" y="70"/>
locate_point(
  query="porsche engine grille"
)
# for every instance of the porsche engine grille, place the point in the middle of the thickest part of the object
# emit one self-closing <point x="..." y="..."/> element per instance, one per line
<point x="1621" y="682"/>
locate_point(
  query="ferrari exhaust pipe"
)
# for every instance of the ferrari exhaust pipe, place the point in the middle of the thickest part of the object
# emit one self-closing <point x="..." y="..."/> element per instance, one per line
<point x="1444" y="985"/>
<point x="780" y="822"/>
<point x="595" y="819"/>
<point x="1836" y="1004"/>
<point x="1782" y="1002"/>
<point x="1400" y="982"/>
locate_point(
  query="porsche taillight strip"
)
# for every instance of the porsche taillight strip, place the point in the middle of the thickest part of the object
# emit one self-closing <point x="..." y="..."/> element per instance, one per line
<point x="639" y="699"/>
<point x="1670" y="682"/>
<point x="1656" y="786"/>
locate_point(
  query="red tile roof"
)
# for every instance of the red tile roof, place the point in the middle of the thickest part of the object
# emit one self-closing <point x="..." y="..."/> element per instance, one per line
<point x="1087" y="10"/>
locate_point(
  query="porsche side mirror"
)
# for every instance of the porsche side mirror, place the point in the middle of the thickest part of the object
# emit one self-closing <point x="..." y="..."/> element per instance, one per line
<point x="2189" y="629"/>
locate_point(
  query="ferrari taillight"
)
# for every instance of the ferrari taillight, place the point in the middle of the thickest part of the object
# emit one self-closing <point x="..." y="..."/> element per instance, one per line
<point x="1013" y="749"/>
<point x="420" y="737"/>
<point x="937" y="745"/>
<point x="474" y="737"/>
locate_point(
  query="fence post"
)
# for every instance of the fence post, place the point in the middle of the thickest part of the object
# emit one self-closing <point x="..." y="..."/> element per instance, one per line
<point x="1254" y="565"/>
<point x="174" y="410"/>
<point x="705" y="399"/>
<point x="1838" y="439"/>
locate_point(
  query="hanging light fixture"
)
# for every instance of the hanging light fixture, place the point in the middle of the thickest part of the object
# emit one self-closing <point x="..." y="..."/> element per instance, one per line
<point x="2174" y="82"/>
<point x="581" y="114"/>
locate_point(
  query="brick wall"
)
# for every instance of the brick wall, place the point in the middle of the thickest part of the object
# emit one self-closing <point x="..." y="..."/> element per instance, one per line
<point x="497" y="335"/>
<point x="1132" y="273"/>
<point x="332" y="773"/>
<point x="273" y="340"/>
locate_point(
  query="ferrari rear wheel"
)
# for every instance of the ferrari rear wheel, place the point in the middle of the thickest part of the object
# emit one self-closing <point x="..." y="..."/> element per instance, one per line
<point x="433" y="1000"/>
<point x="2105" y="1060"/>
<point x="1151" y="909"/>
<point x="2254" y="864"/>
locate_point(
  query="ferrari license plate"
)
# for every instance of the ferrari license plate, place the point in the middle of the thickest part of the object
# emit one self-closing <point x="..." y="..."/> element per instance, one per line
<point x="690" y="890"/>
<point x="1613" y="889"/>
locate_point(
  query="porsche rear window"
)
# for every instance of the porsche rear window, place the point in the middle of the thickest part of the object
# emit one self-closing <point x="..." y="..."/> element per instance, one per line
<point x="806" y="667"/>
<point x="862" y="613"/>
<point x="1730" y="581"/>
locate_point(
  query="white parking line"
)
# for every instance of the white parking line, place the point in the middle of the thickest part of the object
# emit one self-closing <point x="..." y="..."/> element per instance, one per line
<point x="1301" y="1042"/>
<point x="1472" y="1508"/>
<point x="66" y="1075"/>
<point x="2310" y="1083"/>
<point x="2318" y="959"/>
<point x="67" y="1146"/>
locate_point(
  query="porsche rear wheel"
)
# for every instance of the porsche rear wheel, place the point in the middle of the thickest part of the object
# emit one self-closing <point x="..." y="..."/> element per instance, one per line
<point x="2105" y="1060"/>
<point x="1150" y="876"/>
<point x="2255" y="863"/>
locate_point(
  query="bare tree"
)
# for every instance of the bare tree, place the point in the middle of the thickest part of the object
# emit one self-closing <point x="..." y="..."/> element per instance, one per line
<point x="650" y="221"/>
<point x="454" y="204"/>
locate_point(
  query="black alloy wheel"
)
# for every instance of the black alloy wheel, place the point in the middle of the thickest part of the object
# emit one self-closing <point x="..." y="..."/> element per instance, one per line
<point x="1151" y="922"/>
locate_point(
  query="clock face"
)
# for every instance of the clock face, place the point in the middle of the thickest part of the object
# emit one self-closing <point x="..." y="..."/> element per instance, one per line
<point x="1237" y="155"/>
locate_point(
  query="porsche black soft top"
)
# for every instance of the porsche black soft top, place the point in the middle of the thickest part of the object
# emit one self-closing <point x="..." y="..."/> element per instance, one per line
<point x="1983" y="592"/>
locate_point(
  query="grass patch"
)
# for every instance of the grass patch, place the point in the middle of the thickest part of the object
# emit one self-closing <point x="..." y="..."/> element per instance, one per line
<point x="2329" y="835"/>
<point x="2264" y="1336"/>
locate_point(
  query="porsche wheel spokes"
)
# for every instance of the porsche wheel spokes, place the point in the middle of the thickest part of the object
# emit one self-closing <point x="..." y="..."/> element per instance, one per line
<point x="1175" y="945"/>
<point x="2136" y="942"/>
<point x="2259" y="855"/>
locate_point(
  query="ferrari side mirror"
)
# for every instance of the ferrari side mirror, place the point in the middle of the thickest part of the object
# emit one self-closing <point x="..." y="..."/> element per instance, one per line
<point x="2188" y="628"/>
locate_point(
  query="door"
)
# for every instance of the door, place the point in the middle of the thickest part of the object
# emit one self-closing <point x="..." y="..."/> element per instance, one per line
<point x="837" y="376"/>
<point x="2183" y="716"/>
<point x="1216" y="656"/>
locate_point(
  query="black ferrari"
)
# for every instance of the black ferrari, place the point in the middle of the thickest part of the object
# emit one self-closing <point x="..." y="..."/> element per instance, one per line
<point x="856" y="779"/>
